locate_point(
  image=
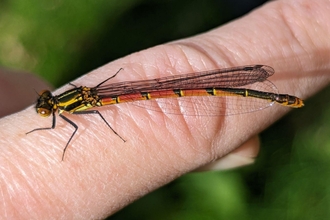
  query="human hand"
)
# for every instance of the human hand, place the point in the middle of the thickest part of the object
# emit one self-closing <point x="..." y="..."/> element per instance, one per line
<point x="160" y="147"/>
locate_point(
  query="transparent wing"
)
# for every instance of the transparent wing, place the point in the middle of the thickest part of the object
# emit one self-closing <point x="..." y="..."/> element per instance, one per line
<point x="211" y="105"/>
<point x="220" y="78"/>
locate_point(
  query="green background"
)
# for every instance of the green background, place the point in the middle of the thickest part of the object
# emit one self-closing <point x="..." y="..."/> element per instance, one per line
<point x="60" y="40"/>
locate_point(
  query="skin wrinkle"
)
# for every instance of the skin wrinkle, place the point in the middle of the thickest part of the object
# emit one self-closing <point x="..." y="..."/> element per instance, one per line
<point x="169" y="136"/>
<point x="289" y="27"/>
<point x="16" y="188"/>
<point x="214" y="144"/>
<point x="193" y="48"/>
<point x="183" y="123"/>
<point x="272" y="35"/>
<point x="136" y="124"/>
<point x="237" y="46"/>
<point x="244" y="136"/>
<point x="173" y="132"/>
<point x="169" y="124"/>
<point x="205" y="53"/>
<point x="164" y="63"/>
<point x="165" y="120"/>
<point x="178" y="152"/>
<point x="296" y="26"/>
<point x="177" y="66"/>
<point x="212" y="155"/>
<point x="293" y="26"/>
<point x="238" y="52"/>
<point x="186" y="128"/>
<point x="181" y="65"/>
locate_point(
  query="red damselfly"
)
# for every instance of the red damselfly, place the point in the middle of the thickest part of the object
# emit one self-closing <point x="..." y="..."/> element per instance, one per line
<point x="234" y="90"/>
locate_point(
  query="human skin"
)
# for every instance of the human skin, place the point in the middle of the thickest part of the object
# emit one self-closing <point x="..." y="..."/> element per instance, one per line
<point x="101" y="174"/>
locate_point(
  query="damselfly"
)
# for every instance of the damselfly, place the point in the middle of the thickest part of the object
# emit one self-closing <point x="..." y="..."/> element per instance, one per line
<point x="234" y="90"/>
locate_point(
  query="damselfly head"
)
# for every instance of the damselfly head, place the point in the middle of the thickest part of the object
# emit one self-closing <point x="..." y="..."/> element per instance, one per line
<point x="44" y="112"/>
<point x="45" y="103"/>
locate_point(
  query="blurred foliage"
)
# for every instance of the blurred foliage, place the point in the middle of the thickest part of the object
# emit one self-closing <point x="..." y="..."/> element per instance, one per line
<point x="51" y="37"/>
<point x="60" y="40"/>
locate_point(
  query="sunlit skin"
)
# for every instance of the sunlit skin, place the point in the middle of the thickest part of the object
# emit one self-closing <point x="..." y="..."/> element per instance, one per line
<point x="101" y="174"/>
